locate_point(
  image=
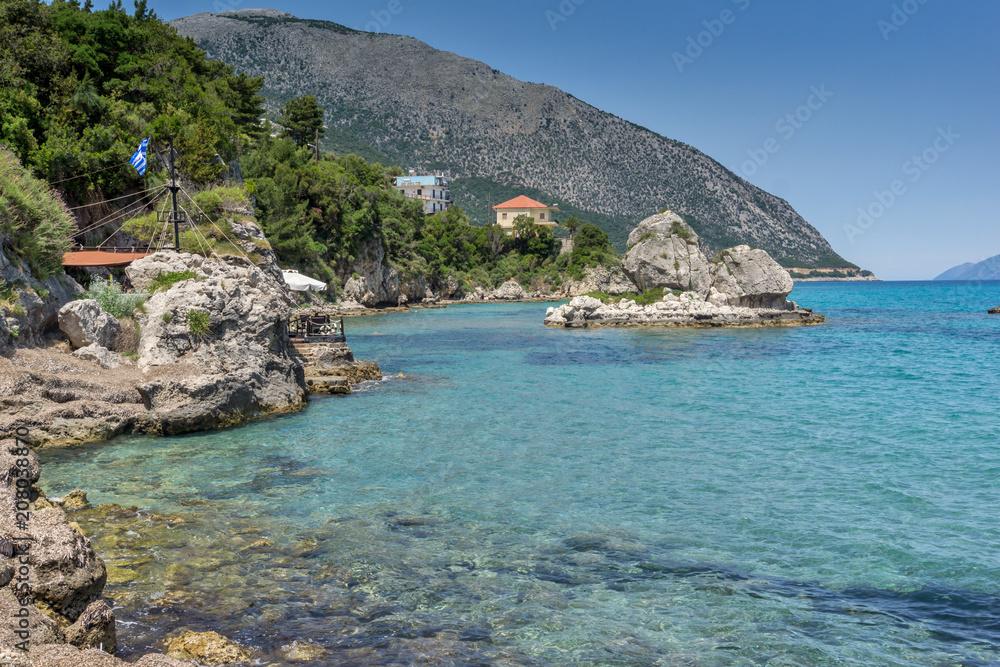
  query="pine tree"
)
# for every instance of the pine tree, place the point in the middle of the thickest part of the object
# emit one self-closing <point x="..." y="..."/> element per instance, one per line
<point x="301" y="118"/>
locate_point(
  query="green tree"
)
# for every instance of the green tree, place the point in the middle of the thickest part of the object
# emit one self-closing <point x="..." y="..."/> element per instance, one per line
<point x="572" y="223"/>
<point x="301" y="118"/>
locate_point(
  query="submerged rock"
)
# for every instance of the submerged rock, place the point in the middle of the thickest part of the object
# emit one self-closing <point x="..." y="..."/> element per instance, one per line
<point x="207" y="648"/>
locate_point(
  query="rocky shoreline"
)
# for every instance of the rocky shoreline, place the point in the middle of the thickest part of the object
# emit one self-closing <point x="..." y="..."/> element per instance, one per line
<point x="676" y="311"/>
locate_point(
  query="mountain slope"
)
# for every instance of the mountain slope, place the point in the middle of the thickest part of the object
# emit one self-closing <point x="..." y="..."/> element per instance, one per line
<point x="988" y="269"/>
<point x="461" y="115"/>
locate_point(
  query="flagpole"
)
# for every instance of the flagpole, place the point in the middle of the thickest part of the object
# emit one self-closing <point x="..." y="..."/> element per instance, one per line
<point x="173" y="193"/>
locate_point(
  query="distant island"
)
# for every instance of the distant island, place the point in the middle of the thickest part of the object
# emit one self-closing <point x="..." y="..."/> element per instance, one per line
<point x="988" y="269"/>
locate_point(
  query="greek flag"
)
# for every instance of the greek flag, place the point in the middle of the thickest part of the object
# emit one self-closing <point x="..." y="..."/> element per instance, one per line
<point x="139" y="159"/>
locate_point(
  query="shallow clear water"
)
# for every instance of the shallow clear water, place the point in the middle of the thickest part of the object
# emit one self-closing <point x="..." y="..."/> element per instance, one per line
<point x="805" y="496"/>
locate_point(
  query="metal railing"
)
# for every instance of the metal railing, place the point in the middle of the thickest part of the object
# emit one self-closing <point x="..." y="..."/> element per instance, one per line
<point x="316" y="329"/>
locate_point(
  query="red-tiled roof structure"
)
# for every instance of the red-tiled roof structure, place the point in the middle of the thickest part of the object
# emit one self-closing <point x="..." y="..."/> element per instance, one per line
<point x="521" y="202"/>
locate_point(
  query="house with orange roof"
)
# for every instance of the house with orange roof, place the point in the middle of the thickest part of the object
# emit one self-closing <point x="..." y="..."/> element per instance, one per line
<point x="508" y="211"/>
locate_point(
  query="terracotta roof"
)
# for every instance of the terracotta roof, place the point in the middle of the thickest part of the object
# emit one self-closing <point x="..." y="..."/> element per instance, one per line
<point x="101" y="258"/>
<point x="520" y="202"/>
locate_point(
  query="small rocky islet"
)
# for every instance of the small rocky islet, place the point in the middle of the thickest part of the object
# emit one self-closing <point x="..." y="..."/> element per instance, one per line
<point x="744" y="287"/>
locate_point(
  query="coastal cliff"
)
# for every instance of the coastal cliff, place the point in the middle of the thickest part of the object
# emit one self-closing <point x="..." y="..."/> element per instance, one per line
<point x="743" y="287"/>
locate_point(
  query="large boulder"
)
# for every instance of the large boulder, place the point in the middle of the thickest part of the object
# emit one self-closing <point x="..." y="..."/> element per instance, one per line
<point x="750" y="278"/>
<point x="84" y="322"/>
<point x="664" y="253"/>
<point x="510" y="291"/>
<point x="995" y="311"/>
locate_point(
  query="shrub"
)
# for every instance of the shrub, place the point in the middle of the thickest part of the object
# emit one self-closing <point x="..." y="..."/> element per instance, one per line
<point x="167" y="317"/>
<point x="34" y="220"/>
<point x="165" y="281"/>
<point x="113" y="300"/>
<point x="199" y="322"/>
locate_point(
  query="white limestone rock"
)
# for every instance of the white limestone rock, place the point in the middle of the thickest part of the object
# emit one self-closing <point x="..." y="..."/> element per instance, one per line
<point x="84" y="322"/>
<point x="510" y="291"/>
<point x="101" y="356"/>
<point x="663" y="252"/>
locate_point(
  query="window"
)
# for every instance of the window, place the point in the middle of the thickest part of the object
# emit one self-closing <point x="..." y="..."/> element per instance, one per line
<point x="504" y="216"/>
<point x="420" y="192"/>
<point x="541" y="217"/>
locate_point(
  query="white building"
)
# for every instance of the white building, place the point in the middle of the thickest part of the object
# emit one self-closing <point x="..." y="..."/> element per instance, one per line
<point x="431" y="189"/>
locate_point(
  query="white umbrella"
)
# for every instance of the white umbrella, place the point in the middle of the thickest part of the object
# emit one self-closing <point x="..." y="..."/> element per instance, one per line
<point x="300" y="283"/>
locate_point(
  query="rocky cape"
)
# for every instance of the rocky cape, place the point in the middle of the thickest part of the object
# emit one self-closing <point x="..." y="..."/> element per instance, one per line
<point x="743" y="287"/>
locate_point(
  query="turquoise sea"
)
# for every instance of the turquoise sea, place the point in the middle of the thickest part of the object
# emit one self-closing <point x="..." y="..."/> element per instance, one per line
<point x="533" y="496"/>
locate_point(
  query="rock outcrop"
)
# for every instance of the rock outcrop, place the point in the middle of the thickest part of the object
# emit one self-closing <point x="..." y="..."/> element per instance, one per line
<point x="744" y="288"/>
<point x="85" y="323"/>
<point x="751" y="279"/>
<point x="214" y="351"/>
<point x="995" y="311"/>
<point x="231" y="324"/>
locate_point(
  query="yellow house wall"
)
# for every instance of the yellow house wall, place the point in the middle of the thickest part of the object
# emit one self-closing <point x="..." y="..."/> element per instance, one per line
<point x="533" y="213"/>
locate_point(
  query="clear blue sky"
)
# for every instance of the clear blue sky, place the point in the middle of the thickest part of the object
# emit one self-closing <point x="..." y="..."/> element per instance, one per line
<point x="923" y="83"/>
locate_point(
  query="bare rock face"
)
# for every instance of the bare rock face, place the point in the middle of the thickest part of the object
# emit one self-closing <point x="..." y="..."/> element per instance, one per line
<point x="40" y="301"/>
<point x="611" y="281"/>
<point x="86" y="323"/>
<point x="510" y="291"/>
<point x="231" y="323"/>
<point x="663" y="252"/>
<point x="751" y="279"/>
<point x="373" y="282"/>
<point x="207" y="648"/>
